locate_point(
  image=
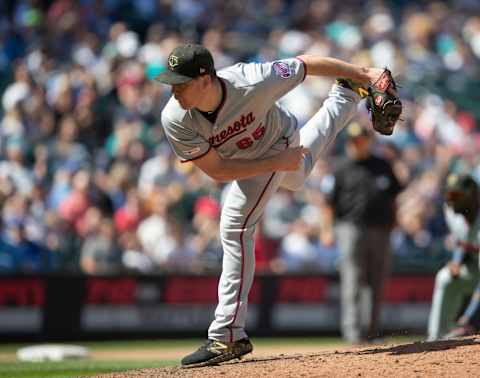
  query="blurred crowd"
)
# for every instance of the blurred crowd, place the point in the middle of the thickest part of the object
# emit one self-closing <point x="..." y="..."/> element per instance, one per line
<point x="88" y="182"/>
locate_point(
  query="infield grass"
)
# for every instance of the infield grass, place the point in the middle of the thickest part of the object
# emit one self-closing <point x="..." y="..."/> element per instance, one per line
<point x="67" y="369"/>
<point x="114" y="356"/>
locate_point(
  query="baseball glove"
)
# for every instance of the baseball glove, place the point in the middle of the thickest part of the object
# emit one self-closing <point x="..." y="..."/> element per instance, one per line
<point x="383" y="104"/>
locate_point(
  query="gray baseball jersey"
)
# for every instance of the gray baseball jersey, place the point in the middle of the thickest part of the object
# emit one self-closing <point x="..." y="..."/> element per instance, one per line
<point x="250" y="123"/>
<point x="466" y="237"/>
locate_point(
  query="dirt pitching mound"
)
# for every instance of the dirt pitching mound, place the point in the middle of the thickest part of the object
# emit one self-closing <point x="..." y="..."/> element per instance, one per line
<point x="453" y="358"/>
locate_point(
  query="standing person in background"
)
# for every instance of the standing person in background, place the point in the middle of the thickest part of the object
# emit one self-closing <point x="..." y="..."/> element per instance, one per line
<point x="456" y="281"/>
<point x="363" y="198"/>
<point x="230" y="125"/>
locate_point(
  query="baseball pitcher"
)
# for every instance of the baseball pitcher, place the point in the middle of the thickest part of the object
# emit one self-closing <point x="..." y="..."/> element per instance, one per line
<point x="230" y="125"/>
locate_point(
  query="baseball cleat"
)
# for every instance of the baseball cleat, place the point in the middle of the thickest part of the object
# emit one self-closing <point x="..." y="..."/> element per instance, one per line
<point x="460" y="331"/>
<point x="357" y="88"/>
<point x="214" y="352"/>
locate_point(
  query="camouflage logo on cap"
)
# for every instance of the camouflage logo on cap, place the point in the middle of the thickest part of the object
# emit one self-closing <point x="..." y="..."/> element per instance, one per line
<point x="173" y="61"/>
<point x="452" y="180"/>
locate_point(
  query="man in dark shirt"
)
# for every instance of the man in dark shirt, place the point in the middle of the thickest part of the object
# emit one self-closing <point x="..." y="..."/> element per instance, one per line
<point x="363" y="198"/>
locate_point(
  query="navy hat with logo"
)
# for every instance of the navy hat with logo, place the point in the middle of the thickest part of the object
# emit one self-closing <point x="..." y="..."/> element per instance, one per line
<point x="186" y="63"/>
<point x="462" y="193"/>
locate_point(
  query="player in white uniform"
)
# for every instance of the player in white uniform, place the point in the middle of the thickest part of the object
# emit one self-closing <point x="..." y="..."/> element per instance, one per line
<point x="460" y="277"/>
<point x="230" y="125"/>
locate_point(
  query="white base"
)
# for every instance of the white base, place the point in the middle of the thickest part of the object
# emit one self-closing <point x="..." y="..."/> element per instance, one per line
<point x="51" y="352"/>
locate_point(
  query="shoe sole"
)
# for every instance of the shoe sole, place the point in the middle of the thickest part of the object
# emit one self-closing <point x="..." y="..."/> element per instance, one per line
<point x="216" y="360"/>
<point x="457" y="335"/>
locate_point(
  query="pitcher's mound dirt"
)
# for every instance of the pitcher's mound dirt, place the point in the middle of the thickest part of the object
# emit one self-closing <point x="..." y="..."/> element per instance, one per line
<point x="454" y="358"/>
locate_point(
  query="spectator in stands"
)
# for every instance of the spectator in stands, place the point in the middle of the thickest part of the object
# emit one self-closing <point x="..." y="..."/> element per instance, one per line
<point x="100" y="253"/>
<point x="310" y="244"/>
<point x="8" y="259"/>
<point x="15" y="167"/>
<point x="205" y="241"/>
<point x="128" y="217"/>
<point x="76" y="203"/>
<point x="28" y="256"/>
<point x="64" y="150"/>
<point x="155" y="232"/>
<point x="134" y="259"/>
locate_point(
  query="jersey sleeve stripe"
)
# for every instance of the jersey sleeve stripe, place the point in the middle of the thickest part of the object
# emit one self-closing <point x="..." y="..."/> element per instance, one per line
<point x="196" y="157"/>
<point x="304" y="67"/>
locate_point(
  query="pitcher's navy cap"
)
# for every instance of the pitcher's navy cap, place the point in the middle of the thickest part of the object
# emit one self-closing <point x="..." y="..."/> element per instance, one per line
<point x="186" y="63"/>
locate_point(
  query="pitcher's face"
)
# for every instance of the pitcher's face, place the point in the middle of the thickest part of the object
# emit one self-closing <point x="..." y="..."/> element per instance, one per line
<point x="189" y="94"/>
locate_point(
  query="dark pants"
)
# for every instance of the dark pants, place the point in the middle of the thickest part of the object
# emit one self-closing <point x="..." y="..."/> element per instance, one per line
<point x="364" y="266"/>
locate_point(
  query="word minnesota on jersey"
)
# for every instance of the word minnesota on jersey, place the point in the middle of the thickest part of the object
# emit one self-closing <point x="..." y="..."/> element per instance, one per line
<point x="236" y="128"/>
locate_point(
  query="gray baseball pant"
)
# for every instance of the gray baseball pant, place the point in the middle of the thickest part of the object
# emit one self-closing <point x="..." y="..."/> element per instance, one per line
<point x="448" y="296"/>
<point x="364" y="266"/>
<point x="244" y="206"/>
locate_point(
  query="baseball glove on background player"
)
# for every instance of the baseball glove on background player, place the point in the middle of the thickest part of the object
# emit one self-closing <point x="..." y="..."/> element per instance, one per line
<point x="383" y="104"/>
<point x="382" y="101"/>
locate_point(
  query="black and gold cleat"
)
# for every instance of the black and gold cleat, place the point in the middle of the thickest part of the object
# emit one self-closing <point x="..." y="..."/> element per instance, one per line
<point x="214" y="352"/>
